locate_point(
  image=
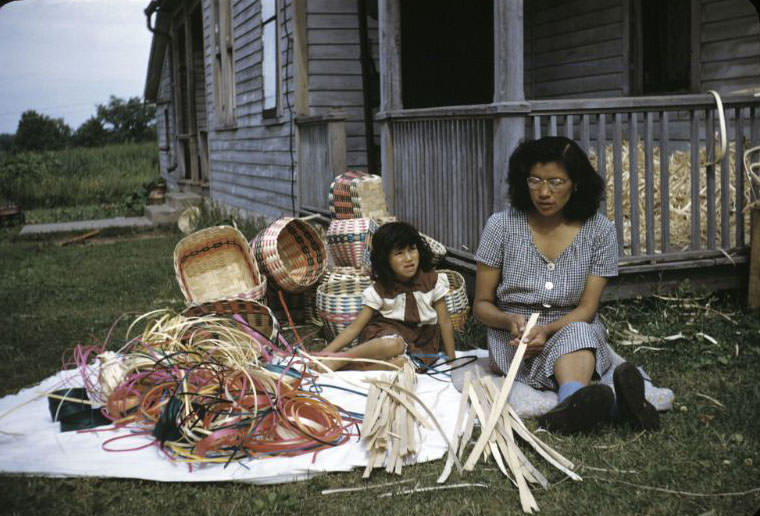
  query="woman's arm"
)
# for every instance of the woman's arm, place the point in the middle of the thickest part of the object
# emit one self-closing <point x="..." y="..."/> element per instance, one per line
<point x="447" y="331"/>
<point x="351" y="332"/>
<point x="484" y="306"/>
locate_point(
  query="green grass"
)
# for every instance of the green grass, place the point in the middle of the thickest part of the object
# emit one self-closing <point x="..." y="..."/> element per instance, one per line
<point x="73" y="178"/>
<point x="52" y="298"/>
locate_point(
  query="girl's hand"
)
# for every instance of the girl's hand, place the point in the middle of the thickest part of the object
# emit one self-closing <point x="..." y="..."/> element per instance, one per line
<point x="535" y="339"/>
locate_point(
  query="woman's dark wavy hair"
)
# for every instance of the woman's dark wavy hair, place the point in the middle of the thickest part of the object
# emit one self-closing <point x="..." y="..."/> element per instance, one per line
<point x="396" y="235"/>
<point x="589" y="188"/>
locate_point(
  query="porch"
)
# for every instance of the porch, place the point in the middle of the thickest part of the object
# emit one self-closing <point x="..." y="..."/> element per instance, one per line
<point x="672" y="215"/>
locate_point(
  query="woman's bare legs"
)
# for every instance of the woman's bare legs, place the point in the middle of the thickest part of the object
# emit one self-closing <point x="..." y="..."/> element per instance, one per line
<point x="577" y="366"/>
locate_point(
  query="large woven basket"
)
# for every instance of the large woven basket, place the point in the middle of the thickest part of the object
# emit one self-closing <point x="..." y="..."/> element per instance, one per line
<point x="356" y="194"/>
<point x="291" y="253"/>
<point x="216" y="263"/>
<point x="256" y="315"/>
<point x="339" y="302"/>
<point x="349" y="241"/>
<point x="457" y="303"/>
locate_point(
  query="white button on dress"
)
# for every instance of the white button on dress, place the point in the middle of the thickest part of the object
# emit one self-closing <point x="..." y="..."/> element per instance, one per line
<point x="549" y="285"/>
<point x="550" y="266"/>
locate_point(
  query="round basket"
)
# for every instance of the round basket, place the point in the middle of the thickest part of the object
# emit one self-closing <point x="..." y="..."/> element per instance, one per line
<point x="349" y="241"/>
<point x="291" y="253"/>
<point x="457" y="303"/>
<point x="436" y="248"/>
<point x="339" y="302"/>
<point x="216" y="263"/>
<point x="256" y="315"/>
<point x="357" y="194"/>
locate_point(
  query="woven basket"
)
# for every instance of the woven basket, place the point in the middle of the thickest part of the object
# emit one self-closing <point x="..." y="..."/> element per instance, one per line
<point x="291" y="253"/>
<point x="216" y="263"/>
<point x="457" y="303"/>
<point x="349" y="241"/>
<point x="356" y="194"/>
<point x="436" y="248"/>
<point x="257" y="315"/>
<point x="339" y="302"/>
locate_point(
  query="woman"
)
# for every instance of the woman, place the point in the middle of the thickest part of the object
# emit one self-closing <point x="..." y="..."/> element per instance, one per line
<point x="552" y="253"/>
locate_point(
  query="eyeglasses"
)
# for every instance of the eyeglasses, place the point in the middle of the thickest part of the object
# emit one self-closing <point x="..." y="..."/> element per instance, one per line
<point x="554" y="183"/>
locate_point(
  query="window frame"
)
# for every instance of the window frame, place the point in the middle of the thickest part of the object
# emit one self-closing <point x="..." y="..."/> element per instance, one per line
<point x="275" y="111"/>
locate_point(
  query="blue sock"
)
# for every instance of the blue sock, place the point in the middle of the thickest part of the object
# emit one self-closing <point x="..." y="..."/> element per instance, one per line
<point x="568" y="389"/>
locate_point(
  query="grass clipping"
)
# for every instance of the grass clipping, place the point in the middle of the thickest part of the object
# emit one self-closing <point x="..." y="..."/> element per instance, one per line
<point x="679" y="195"/>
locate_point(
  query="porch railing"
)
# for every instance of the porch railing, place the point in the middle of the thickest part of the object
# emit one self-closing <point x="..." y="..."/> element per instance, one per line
<point x="689" y="206"/>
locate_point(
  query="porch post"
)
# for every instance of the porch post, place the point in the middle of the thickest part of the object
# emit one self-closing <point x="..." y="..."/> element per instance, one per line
<point x="509" y="126"/>
<point x="389" y="28"/>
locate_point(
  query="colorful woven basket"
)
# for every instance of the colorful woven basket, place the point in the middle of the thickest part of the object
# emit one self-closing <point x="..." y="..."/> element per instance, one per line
<point x="356" y="194"/>
<point x="457" y="303"/>
<point x="349" y="241"/>
<point x="339" y="302"/>
<point x="291" y="253"/>
<point x="216" y="263"/>
<point x="256" y="315"/>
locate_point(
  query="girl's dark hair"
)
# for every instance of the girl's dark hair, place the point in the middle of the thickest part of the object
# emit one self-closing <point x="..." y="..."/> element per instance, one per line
<point x="589" y="188"/>
<point x="396" y="235"/>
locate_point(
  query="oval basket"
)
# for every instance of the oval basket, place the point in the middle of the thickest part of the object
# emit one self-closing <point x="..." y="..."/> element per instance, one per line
<point x="339" y="302"/>
<point x="457" y="303"/>
<point x="349" y="241"/>
<point x="216" y="263"/>
<point x="291" y="253"/>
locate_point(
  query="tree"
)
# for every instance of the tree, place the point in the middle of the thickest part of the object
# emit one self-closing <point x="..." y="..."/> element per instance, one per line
<point x="6" y="141"/>
<point x="41" y="132"/>
<point x="128" y="121"/>
<point x="90" y="134"/>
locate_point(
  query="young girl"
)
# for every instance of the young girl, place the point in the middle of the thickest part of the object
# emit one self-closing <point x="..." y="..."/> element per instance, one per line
<point x="404" y="311"/>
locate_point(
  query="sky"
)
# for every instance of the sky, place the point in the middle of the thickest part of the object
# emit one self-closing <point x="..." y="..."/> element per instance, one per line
<point x="63" y="57"/>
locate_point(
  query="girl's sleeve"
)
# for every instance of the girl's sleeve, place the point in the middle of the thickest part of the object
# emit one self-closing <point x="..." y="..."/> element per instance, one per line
<point x="441" y="287"/>
<point x="371" y="298"/>
<point x="604" y="255"/>
<point x="491" y="248"/>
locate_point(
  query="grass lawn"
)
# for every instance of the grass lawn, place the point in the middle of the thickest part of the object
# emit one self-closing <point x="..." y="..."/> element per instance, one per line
<point x="52" y="298"/>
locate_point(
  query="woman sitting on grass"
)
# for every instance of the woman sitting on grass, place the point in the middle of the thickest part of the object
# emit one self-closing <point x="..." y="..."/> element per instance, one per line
<point x="403" y="312"/>
<point x="552" y="253"/>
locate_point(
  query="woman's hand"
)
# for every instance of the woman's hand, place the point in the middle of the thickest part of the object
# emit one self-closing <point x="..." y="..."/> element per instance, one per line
<point x="515" y="327"/>
<point x="535" y="340"/>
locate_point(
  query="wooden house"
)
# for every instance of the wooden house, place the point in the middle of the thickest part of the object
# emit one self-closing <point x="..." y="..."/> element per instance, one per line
<point x="262" y="102"/>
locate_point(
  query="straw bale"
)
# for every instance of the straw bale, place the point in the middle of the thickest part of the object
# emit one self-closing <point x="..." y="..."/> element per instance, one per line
<point x="680" y="196"/>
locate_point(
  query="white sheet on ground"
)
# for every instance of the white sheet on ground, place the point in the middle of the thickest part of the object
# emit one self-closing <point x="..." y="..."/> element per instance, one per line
<point x="31" y="443"/>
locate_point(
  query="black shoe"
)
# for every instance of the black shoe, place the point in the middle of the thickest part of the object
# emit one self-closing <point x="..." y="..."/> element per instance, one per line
<point x="582" y="411"/>
<point x="633" y="408"/>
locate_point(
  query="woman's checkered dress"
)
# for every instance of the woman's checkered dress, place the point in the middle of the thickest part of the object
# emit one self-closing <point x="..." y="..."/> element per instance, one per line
<point x="532" y="283"/>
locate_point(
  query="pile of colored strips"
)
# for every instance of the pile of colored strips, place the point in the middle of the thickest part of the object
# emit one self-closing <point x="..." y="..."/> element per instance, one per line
<point x="200" y="387"/>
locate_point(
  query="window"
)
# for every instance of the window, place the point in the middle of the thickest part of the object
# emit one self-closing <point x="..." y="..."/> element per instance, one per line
<point x="224" y="72"/>
<point x="270" y="62"/>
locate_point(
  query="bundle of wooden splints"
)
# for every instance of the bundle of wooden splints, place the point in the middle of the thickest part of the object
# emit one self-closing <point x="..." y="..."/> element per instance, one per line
<point x="199" y="385"/>
<point x="498" y="425"/>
